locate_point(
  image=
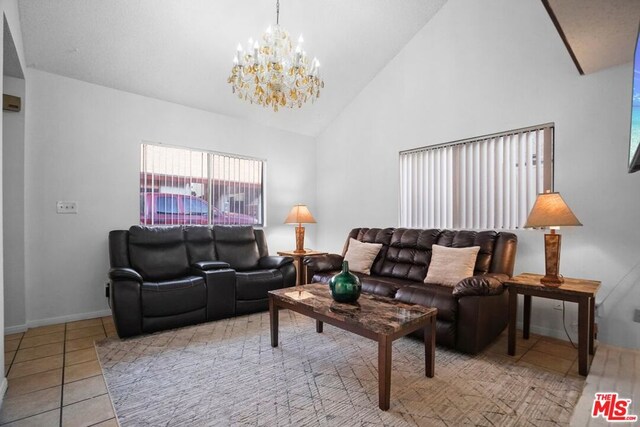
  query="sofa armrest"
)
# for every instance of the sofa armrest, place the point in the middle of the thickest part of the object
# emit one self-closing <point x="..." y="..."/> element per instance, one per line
<point x="328" y="262"/>
<point x="125" y="300"/>
<point x="209" y="265"/>
<point x="221" y="291"/>
<point x="274" y="261"/>
<point x="121" y="273"/>
<point x="485" y="284"/>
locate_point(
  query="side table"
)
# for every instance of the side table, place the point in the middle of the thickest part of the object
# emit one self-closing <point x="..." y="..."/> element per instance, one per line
<point x="579" y="291"/>
<point x="300" y="267"/>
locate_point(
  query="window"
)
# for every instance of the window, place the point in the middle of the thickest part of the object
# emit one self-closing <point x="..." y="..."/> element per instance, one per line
<point x="184" y="186"/>
<point x="166" y="205"/>
<point x="196" y="207"/>
<point x="489" y="182"/>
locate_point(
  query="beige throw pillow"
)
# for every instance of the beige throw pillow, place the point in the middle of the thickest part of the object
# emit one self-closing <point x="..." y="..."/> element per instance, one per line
<point x="361" y="255"/>
<point x="450" y="265"/>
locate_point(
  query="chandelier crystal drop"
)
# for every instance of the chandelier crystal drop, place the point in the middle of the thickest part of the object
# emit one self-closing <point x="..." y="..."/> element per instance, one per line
<point x="273" y="74"/>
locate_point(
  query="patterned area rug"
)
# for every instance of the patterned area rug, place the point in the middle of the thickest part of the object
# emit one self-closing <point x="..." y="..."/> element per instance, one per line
<point x="226" y="373"/>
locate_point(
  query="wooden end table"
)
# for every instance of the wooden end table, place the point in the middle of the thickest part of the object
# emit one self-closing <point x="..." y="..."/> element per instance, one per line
<point x="380" y="319"/>
<point x="300" y="267"/>
<point x="580" y="291"/>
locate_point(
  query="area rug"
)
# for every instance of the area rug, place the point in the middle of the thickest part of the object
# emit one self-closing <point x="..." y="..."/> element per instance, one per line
<point x="226" y="373"/>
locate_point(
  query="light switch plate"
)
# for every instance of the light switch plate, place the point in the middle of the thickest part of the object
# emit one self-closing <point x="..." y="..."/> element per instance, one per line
<point x="67" y="207"/>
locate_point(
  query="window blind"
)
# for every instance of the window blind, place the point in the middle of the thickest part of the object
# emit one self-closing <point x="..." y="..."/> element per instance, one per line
<point x="490" y="182"/>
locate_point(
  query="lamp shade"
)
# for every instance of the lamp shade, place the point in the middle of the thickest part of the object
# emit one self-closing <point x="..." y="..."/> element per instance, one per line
<point x="300" y="214"/>
<point x="550" y="210"/>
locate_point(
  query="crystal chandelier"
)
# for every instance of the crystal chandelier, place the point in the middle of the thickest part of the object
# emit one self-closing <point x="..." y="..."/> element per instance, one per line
<point x="272" y="73"/>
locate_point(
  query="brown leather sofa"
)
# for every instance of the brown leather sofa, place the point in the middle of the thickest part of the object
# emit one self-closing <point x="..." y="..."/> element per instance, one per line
<point x="471" y="314"/>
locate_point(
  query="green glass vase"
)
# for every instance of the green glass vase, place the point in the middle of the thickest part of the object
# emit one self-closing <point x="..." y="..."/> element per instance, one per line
<point x="345" y="286"/>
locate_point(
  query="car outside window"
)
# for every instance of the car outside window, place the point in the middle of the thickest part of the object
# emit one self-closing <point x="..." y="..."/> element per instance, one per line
<point x="167" y="205"/>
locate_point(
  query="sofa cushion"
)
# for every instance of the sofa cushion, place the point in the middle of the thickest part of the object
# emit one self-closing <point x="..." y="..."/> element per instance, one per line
<point x="171" y="297"/>
<point x="431" y="296"/>
<point x="466" y="238"/>
<point x="200" y="245"/>
<point x="360" y="255"/>
<point x="372" y="235"/>
<point x="237" y="245"/>
<point x="325" y="276"/>
<point x="253" y="285"/>
<point x="450" y="265"/>
<point x="409" y="254"/>
<point x="158" y="253"/>
<point x="376" y="285"/>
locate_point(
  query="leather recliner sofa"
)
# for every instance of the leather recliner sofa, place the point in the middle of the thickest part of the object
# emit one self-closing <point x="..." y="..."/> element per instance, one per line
<point x="167" y="277"/>
<point x="471" y="314"/>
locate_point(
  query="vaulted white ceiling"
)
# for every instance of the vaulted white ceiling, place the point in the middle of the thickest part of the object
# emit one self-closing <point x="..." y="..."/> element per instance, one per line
<point x="181" y="50"/>
<point x="599" y="33"/>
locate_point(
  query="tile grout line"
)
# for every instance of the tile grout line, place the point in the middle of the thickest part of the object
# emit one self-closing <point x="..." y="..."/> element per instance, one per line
<point x="15" y="355"/>
<point x="64" y="362"/>
<point x="11" y="365"/>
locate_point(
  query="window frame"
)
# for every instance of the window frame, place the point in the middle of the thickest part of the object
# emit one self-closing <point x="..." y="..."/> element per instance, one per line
<point x="210" y="156"/>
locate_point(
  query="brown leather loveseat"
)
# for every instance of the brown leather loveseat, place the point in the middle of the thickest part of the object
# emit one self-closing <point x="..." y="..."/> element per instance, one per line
<point x="471" y="314"/>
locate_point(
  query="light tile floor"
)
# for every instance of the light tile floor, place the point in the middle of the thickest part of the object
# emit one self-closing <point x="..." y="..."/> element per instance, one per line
<point x="614" y="369"/>
<point x="546" y="353"/>
<point x="55" y="378"/>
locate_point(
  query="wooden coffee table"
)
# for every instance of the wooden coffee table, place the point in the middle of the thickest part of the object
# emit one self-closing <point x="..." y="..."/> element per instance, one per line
<point x="380" y="319"/>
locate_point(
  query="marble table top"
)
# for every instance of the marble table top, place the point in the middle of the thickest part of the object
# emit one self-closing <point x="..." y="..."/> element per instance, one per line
<point x="378" y="314"/>
<point x="569" y="287"/>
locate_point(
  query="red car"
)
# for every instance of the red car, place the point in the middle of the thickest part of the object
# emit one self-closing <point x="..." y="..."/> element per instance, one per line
<point x="167" y="209"/>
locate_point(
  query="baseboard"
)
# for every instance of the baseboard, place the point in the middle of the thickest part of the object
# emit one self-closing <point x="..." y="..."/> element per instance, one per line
<point x="15" y="329"/>
<point x="3" y="390"/>
<point x="56" y="320"/>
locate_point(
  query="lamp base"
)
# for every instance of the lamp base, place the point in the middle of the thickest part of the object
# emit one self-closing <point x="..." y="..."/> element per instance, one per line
<point x="299" y="240"/>
<point x="552" y="277"/>
<point x="552" y="281"/>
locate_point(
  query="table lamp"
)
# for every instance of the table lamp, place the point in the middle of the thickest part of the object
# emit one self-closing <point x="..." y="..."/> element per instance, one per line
<point x="551" y="211"/>
<point x="300" y="215"/>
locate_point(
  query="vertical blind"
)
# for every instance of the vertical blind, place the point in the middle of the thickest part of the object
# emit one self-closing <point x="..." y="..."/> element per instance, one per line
<point x="489" y="182"/>
<point x="186" y="186"/>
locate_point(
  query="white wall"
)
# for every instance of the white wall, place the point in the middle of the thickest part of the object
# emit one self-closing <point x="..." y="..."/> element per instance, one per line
<point x="483" y="67"/>
<point x="83" y="144"/>
<point x="13" y="205"/>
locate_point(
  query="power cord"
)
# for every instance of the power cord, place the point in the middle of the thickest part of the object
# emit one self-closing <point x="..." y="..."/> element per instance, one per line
<point x="565" y="327"/>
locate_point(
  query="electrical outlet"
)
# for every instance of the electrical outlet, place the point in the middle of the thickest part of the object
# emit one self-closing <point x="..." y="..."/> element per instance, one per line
<point x="636" y="315"/>
<point x="67" y="207"/>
